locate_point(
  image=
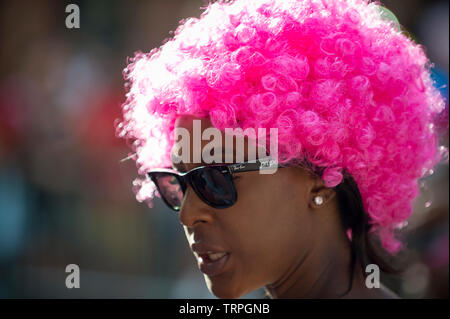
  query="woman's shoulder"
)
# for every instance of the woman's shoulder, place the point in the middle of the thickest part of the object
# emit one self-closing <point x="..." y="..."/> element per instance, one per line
<point x="386" y="293"/>
<point x="380" y="293"/>
<point x="372" y="293"/>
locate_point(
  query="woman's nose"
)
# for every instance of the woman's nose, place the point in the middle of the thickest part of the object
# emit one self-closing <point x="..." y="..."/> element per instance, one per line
<point x="193" y="210"/>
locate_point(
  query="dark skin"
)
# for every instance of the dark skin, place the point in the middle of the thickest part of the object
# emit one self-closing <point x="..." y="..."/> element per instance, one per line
<point x="277" y="237"/>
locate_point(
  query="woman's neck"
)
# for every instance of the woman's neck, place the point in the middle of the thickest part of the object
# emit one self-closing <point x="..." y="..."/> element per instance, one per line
<point x="325" y="273"/>
<point x="322" y="272"/>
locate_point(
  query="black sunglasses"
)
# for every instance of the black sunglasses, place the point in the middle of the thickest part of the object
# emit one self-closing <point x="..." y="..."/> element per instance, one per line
<point x="212" y="183"/>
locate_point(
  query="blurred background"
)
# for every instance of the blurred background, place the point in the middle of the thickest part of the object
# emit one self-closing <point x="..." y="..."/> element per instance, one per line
<point x="66" y="198"/>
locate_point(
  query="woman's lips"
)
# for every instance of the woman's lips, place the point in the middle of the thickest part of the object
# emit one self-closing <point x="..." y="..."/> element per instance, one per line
<point x="212" y="267"/>
<point x="211" y="259"/>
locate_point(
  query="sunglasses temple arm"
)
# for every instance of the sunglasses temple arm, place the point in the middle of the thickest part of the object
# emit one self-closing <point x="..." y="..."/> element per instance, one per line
<point x="257" y="165"/>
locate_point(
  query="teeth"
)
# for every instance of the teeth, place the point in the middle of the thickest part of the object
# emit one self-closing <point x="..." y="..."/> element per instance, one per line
<point x="215" y="256"/>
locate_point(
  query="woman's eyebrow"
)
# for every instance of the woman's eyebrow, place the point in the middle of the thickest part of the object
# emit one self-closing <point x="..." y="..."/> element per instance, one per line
<point x="177" y="163"/>
<point x="180" y="167"/>
<point x="227" y="152"/>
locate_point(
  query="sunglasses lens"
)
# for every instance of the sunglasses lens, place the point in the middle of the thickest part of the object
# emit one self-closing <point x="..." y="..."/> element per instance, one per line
<point x="170" y="189"/>
<point x="215" y="186"/>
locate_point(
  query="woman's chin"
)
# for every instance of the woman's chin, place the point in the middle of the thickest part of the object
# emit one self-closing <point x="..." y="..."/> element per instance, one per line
<point x="223" y="291"/>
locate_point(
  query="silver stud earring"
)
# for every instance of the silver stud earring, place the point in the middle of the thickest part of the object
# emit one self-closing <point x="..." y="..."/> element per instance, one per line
<point x="318" y="200"/>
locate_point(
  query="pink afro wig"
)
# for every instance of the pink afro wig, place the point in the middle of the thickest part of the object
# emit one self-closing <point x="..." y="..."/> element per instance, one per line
<point x="345" y="87"/>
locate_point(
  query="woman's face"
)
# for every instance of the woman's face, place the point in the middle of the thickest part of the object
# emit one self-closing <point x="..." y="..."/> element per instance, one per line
<point x="264" y="233"/>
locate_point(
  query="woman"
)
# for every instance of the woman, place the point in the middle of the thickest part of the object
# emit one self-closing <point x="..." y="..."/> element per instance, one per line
<point x="353" y="104"/>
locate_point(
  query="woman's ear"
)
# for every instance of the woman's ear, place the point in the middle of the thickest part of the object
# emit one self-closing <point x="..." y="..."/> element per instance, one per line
<point x="319" y="194"/>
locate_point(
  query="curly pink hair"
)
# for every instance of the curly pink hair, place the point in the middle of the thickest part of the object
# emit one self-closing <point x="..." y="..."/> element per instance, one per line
<point x="344" y="86"/>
